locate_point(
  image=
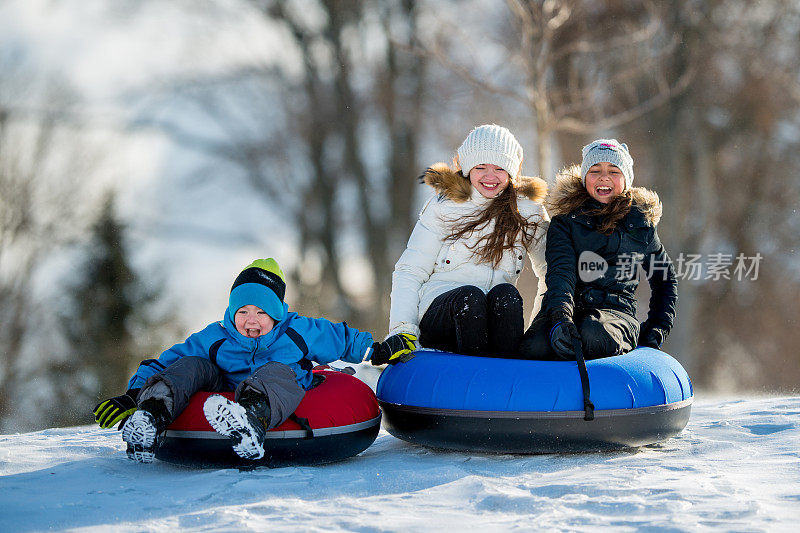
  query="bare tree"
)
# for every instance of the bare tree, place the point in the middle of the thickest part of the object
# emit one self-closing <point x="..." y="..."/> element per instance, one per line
<point x="41" y="209"/>
<point x="47" y="159"/>
<point x="725" y="163"/>
<point x="393" y="103"/>
<point x="338" y="128"/>
<point x="578" y="66"/>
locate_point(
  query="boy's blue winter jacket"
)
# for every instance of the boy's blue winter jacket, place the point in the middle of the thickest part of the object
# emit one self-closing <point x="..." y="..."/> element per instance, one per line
<point x="295" y="341"/>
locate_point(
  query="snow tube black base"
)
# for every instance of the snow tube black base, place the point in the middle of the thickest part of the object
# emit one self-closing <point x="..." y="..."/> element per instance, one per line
<point x="215" y="451"/>
<point x="534" y="432"/>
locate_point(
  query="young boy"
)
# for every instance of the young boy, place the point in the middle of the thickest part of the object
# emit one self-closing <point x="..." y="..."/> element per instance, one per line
<point x="259" y="349"/>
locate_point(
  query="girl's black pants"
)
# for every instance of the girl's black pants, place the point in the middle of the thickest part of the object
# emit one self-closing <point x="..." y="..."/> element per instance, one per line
<point x="469" y="322"/>
<point x="604" y="332"/>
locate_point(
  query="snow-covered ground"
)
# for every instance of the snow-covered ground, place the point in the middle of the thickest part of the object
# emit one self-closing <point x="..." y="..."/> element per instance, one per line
<point x="736" y="467"/>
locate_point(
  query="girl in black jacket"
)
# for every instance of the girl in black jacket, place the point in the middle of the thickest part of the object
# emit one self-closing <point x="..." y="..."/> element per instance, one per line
<point x="603" y="229"/>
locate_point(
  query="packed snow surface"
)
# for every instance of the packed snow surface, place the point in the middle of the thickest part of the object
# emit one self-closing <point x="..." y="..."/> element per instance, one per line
<point x="736" y="467"/>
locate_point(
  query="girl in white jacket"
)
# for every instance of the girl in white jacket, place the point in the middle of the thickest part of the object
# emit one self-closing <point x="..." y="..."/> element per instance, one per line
<point x="454" y="286"/>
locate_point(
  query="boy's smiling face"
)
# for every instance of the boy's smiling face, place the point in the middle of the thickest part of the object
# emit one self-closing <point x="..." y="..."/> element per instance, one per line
<point x="252" y="321"/>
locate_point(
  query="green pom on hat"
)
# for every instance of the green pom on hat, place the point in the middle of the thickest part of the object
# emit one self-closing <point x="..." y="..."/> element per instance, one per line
<point x="269" y="264"/>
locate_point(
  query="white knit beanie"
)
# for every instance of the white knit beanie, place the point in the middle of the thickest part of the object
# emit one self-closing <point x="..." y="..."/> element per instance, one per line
<point x="608" y="151"/>
<point x="491" y="144"/>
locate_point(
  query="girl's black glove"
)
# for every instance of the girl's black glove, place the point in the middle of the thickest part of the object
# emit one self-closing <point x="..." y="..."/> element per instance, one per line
<point x="651" y="338"/>
<point x="562" y="332"/>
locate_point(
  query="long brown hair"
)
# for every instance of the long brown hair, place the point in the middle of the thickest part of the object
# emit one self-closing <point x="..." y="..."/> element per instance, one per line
<point x="509" y="224"/>
<point x="609" y="215"/>
<point x="613" y="212"/>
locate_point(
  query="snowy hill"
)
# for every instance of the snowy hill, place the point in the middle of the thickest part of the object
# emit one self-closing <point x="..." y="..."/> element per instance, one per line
<point x="736" y="467"/>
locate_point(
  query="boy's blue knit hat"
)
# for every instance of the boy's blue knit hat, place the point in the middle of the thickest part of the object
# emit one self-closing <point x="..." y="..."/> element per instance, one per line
<point x="262" y="284"/>
<point x="608" y="151"/>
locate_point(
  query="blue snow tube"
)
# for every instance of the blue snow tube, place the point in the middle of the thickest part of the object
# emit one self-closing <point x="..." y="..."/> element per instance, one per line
<point x="458" y="402"/>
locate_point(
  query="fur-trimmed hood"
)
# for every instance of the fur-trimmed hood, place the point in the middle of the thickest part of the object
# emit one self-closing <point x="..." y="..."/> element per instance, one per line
<point x="452" y="184"/>
<point x="570" y="191"/>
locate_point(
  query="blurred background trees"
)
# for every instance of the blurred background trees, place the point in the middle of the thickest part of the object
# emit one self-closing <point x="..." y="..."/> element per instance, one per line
<point x="42" y="161"/>
<point x="329" y="140"/>
<point x="297" y="128"/>
<point x="106" y="320"/>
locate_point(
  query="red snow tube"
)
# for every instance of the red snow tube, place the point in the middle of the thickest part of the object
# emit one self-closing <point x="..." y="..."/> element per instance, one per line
<point x="341" y="418"/>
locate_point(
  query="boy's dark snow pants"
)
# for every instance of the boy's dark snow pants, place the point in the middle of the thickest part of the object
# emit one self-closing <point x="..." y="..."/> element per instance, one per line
<point x="469" y="322"/>
<point x="178" y="382"/>
<point x="604" y="332"/>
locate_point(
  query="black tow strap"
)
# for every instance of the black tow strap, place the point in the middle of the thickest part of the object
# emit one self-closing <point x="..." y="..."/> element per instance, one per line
<point x="316" y="380"/>
<point x="588" y="406"/>
<point x="303" y="423"/>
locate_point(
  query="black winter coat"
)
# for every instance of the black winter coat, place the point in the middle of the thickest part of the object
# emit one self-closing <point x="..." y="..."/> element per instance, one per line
<point x="577" y="253"/>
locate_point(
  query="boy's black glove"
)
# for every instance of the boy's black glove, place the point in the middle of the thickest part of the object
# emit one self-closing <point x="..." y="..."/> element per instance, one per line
<point x="562" y="333"/>
<point x="394" y="349"/>
<point x="116" y="409"/>
<point x="651" y="338"/>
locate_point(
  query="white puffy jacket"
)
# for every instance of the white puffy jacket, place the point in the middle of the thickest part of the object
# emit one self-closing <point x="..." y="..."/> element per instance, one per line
<point x="430" y="266"/>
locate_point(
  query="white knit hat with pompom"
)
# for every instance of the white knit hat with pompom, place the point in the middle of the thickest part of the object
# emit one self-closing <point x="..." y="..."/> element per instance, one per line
<point x="491" y="144"/>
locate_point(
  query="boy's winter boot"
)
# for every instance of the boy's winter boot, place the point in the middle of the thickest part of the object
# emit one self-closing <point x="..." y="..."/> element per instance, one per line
<point x="256" y="403"/>
<point x="244" y="422"/>
<point x="143" y="430"/>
